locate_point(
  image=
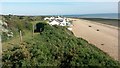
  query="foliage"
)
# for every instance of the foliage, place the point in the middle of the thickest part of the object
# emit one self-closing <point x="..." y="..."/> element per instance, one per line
<point x="56" y="46"/>
<point x="17" y="23"/>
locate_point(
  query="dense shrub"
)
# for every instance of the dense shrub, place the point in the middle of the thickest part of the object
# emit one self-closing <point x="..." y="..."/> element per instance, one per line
<point x="56" y="46"/>
<point x="17" y="23"/>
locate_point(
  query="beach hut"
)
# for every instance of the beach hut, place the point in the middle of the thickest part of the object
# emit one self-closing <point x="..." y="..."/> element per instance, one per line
<point x="64" y="22"/>
<point x="52" y="18"/>
<point x="46" y="18"/>
<point x="59" y="18"/>
<point x="54" y="22"/>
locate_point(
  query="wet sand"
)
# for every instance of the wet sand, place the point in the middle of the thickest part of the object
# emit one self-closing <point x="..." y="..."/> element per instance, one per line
<point x="103" y="36"/>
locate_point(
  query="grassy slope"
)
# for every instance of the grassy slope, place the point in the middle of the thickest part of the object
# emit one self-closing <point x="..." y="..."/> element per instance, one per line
<point x="55" y="46"/>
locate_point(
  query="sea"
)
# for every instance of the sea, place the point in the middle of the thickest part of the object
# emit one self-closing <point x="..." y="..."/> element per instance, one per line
<point x="104" y="16"/>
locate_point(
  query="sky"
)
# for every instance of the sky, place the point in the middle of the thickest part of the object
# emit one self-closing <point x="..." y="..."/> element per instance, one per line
<point x="57" y="8"/>
<point x="59" y="0"/>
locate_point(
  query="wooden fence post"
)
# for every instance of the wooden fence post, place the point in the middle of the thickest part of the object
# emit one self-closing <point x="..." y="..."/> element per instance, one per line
<point x="20" y="36"/>
<point x="33" y="30"/>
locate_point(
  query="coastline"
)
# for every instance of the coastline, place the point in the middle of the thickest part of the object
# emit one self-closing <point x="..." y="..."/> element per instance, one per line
<point x="106" y="38"/>
<point x="109" y="22"/>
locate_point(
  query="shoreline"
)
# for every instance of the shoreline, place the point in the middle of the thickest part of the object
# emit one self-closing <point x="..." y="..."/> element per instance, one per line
<point x="104" y="37"/>
<point x="107" y="22"/>
<point x="106" y="25"/>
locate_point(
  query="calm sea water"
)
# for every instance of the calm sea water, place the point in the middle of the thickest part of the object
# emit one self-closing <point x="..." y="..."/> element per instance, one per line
<point x="105" y="16"/>
<point x="109" y="19"/>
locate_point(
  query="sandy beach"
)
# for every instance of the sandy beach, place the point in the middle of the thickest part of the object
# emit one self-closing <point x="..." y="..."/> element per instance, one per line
<point x="103" y="36"/>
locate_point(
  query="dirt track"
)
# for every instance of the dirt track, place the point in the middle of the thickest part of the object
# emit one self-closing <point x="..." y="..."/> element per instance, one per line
<point x="102" y="36"/>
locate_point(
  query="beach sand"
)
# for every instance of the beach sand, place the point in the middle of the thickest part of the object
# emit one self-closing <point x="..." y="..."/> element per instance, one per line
<point x="103" y="36"/>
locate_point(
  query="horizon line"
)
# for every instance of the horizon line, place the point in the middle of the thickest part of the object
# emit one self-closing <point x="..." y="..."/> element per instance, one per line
<point x="54" y="14"/>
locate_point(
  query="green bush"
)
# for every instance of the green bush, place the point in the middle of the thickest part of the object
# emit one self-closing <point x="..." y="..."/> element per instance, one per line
<point x="56" y="46"/>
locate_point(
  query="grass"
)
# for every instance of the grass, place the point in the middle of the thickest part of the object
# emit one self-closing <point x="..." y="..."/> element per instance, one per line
<point x="54" y="46"/>
<point x="16" y="40"/>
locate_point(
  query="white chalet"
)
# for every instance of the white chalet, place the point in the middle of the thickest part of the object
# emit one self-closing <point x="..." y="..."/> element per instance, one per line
<point x="54" y="22"/>
<point x="64" y="22"/>
<point x="58" y="21"/>
<point x="47" y="18"/>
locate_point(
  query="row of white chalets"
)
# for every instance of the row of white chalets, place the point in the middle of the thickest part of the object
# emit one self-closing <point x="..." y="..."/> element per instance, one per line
<point x="61" y="21"/>
<point x="3" y="29"/>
